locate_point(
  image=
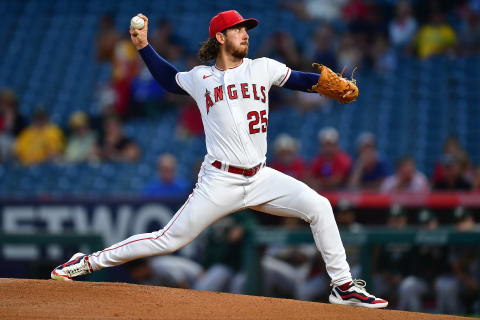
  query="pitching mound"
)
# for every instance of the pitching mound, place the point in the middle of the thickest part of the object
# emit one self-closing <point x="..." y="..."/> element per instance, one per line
<point x="48" y="299"/>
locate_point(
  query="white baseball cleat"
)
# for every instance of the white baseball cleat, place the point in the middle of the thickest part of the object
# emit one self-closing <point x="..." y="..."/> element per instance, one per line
<point x="77" y="265"/>
<point x="354" y="294"/>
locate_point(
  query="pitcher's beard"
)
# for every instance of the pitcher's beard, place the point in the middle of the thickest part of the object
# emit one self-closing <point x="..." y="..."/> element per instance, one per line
<point x="239" y="53"/>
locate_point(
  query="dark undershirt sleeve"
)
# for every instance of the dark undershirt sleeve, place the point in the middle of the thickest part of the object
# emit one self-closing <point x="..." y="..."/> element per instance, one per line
<point x="301" y="81"/>
<point x="161" y="70"/>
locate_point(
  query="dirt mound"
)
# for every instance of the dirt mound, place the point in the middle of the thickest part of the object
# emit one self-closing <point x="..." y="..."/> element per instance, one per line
<point x="48" y="299"/>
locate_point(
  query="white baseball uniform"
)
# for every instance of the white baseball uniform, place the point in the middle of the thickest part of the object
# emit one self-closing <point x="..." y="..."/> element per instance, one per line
<point x="234" y="108"/>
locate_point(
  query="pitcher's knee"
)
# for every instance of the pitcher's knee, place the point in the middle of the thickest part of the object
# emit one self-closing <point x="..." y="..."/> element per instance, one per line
<point x="167" y="244"/>
<point x="320" y="209"/>
<point x="325" y="205"/>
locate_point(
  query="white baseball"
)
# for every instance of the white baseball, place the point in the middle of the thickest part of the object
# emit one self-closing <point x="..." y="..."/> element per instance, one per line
<point x="137" y="23"/>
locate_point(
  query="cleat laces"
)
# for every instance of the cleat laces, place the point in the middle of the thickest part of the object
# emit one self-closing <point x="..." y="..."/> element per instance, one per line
<point x="360" y="284"/>
<point x="76" y="269"/>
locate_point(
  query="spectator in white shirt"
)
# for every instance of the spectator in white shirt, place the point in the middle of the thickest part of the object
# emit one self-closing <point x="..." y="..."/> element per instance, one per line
<point x="403" y="27"/>
<point x="406" y="178"/>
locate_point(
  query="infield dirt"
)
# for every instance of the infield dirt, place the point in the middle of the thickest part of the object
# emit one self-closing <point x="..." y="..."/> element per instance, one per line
<point x="48" y="299"/>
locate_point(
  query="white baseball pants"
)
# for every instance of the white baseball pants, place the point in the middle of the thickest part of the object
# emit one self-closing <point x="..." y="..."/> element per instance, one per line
<point x="219" y="193"/>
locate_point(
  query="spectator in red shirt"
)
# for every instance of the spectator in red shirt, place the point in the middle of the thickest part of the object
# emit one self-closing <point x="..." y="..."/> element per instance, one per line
<point x="330" y="169"/>
<point x="286" y="158"/>
<point x="190" y="121"/>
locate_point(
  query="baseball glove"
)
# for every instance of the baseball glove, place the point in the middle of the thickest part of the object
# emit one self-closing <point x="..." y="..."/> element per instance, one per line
<point x="334" y="85"/>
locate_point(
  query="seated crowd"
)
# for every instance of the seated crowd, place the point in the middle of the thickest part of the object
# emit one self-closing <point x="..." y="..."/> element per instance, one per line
<point x="43" y="141"/>
<point x="331" y="169"/>
<point x="345" y="33"/>
<point x="334" y="169"/>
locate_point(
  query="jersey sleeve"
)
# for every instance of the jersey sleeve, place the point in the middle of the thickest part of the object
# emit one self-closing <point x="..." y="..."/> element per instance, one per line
<point x="186" y="81"/>
<point x="278" y="72"/>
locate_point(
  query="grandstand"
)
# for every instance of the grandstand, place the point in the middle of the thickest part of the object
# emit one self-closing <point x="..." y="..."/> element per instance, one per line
<point x="48" y="58"/>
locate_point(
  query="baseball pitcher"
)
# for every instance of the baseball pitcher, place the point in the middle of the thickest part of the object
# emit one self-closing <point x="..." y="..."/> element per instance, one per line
<point x="232" y="95"/>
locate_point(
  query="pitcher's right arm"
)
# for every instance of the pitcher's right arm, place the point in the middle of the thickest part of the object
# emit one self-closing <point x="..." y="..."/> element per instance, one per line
<point x="160" y="68"/>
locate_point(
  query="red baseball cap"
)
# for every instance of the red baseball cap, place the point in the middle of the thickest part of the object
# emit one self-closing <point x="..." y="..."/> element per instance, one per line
<point x="227" y="19"/>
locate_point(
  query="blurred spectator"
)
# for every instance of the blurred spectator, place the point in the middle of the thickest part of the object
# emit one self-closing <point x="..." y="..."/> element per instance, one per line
<point x="164" y="40"/>
<point x="39" y="142"/>
<point x="464" y="220"/>
<point x="190" y="121"/>
<point x="313" y="9"/>
<point x="114" y="145"/>
<point x="474" y="5"/>
<point x="162" y="37"/>
<point x="147" y="94"/>
<point x="423" y="9"/>
<point x="167" y="184"/>
<point x="406" y="178"/>
<point x="281" y="47"/>
<point x="436" y="37"/>
<point x="430" y="263"/>
<point x="457" y="289"/>
<point x="305" y="102"/>
<point x="346" y="218"/>
<point x="226" y="239"/>
<point x="364" y="19"/>
<point x="106" y="39"/>
<point x="453" y="177"/>
<point x="140" y="272"/>
<point x="349" y="54"/>
<point x="322" y="48"/>
<point x="82" y="140"/>
<point x="451" y="148"/>
<point x="176" y="271"/>
<point x="428" y="220"/>
<point x="294" y="271"/>
<point x="469" y="32"/>
<point x="369" y="170"/>
<point x="331" y="167"/>
<point x="355" y="11"/>
<point x="152" y="100"/>
<point x="476" y="180"/>
<point x="171" y="271"/>
<point x="403" y="27"/>
<point x="126" y="64"/>
<point x="383" y="58"/>
<point x="11" y="123"/>
<point x="397" y="218"/>
<point x="394" y="260"/>
<point x="286" y="158"/>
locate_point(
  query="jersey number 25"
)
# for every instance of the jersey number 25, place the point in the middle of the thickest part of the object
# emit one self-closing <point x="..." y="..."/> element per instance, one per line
<point x="255" y="117"/>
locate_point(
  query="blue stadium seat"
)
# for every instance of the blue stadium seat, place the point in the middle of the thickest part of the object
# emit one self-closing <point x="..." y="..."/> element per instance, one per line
<point x="406" y="112"/>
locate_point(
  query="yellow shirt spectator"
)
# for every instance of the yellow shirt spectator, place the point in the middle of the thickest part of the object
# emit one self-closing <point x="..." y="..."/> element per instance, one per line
<point x="435" y="38"/>
<point x="39" y="142"/>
